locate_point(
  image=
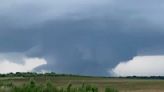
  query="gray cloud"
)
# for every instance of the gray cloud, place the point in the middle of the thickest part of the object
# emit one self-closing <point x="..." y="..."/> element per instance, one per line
<point x="81" y="37"/>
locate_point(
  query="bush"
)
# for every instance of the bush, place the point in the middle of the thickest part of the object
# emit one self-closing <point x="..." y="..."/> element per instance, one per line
<point x="49" y="87"/>
<point x="110" y="90"/>
<point x="31" y="86"/>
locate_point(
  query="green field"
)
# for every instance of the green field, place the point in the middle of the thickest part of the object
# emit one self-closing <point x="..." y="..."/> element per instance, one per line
<point x="123" y="85"/>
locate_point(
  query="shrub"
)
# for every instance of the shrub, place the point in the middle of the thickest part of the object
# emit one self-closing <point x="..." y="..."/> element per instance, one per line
<point x="49" y="87"/>
<point x="31" y="86"/>
<point x="110" y="90"/>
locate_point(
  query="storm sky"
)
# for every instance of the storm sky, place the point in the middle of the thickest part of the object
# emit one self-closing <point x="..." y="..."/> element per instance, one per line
<point x="87" y="37"/>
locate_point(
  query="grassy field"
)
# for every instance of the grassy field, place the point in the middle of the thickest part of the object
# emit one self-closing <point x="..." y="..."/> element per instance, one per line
<point x="123" y="85"/>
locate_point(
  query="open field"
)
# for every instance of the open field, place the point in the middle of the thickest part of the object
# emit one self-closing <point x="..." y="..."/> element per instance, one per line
<point x="123" y="85"/>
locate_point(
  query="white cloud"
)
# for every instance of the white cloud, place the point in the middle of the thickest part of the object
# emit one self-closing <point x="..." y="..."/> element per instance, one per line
<point x="141" y="66"/>
<point x="26" y="64"/>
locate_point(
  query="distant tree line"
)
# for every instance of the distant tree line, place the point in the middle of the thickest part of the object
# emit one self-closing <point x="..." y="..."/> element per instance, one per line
<point x="143" y="77"/>
<point x="34" y="74"/>
<point x="27" y="74"/>
<point x="53" y="74"/>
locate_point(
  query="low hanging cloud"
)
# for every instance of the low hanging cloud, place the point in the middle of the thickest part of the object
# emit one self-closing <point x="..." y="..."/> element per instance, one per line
<point x="140" y="66"/>
<point x="80" y="36"/>
<point x="20" y="64"/>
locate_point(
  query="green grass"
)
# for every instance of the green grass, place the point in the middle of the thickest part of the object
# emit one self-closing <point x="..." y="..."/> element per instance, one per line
<point x="71" y="84"/>
<point x="48" y="86"/>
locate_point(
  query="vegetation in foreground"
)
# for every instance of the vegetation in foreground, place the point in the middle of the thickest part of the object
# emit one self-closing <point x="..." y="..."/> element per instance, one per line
<point x="14" y="82"/>
<point x="32" y="86"/>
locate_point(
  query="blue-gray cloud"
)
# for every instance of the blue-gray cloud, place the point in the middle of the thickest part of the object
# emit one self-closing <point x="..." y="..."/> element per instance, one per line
<point x="81" y="37"/>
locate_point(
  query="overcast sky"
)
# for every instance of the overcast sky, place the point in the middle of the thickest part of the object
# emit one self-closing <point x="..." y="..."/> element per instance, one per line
<point x="89" y="37"/>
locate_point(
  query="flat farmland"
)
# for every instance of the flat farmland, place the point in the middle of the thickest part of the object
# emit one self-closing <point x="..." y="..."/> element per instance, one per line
<point x="121" y="84"/>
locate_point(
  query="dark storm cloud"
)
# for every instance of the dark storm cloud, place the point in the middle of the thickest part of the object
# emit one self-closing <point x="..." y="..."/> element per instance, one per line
<point x="81" y="40"/>
<point x="86" y="48"/>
